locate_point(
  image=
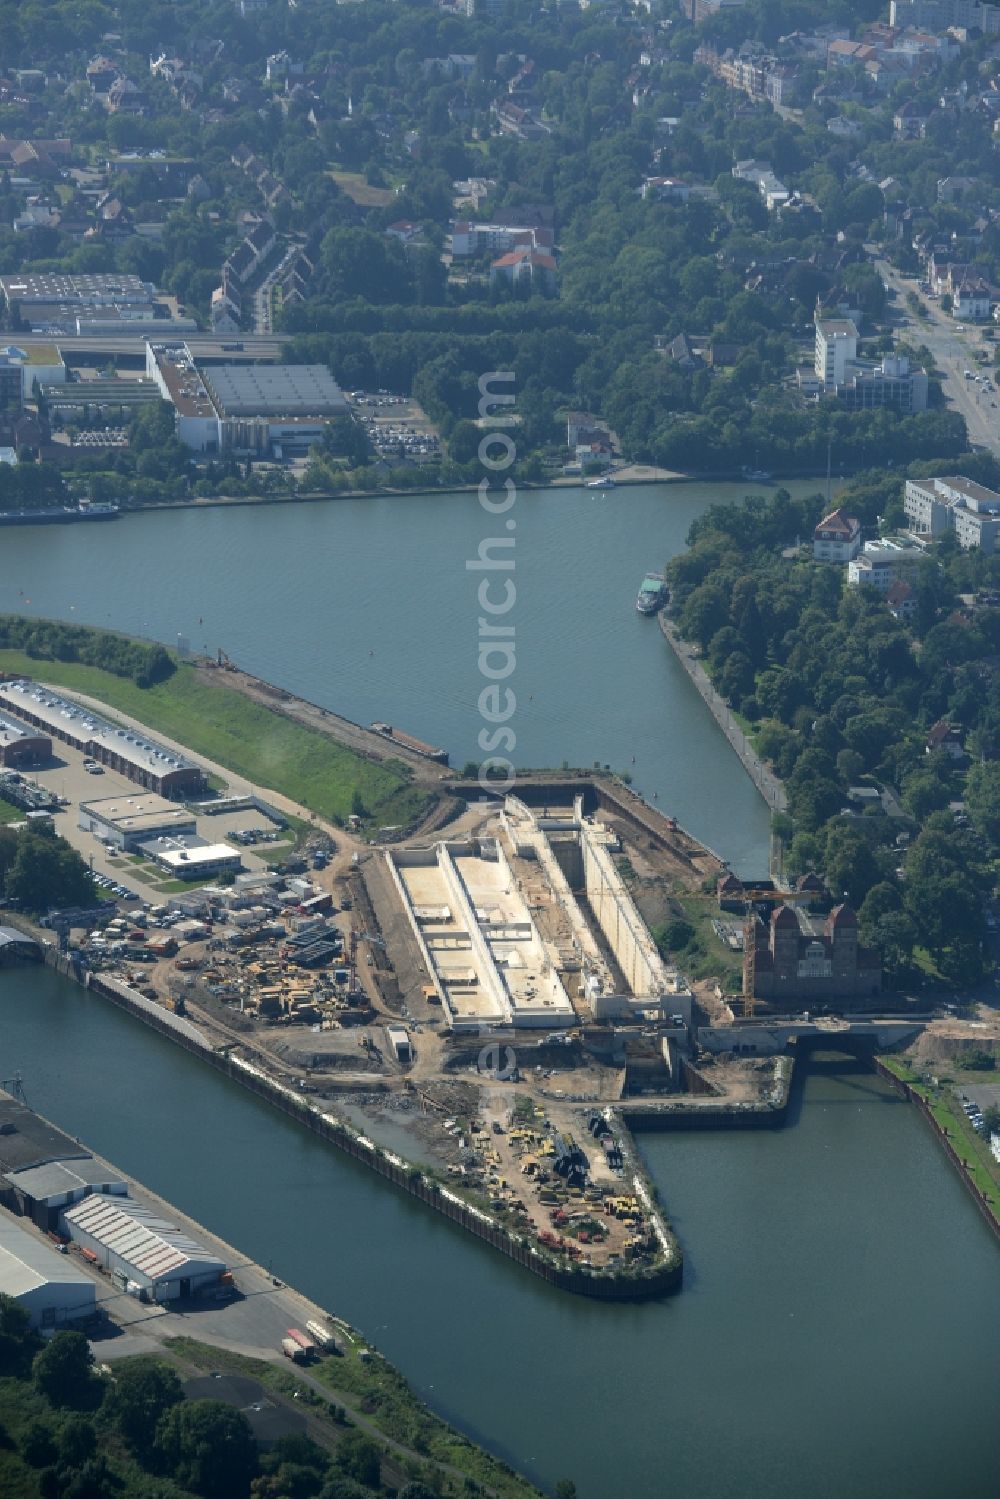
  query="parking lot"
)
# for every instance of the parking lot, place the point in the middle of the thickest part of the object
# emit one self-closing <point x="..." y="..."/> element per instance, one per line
<point x="67" y="777"/>
<point x="396" y="426"/>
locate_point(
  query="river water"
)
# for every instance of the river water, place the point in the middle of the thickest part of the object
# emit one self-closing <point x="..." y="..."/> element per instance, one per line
<point x="836" y="1334"/>
<point x="366" y="607"/>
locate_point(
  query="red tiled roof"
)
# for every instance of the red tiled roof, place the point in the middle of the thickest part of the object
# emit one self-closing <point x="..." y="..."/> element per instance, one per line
<point x="840" y="523"/>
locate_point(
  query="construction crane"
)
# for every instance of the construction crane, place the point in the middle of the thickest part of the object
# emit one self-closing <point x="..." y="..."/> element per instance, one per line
<point x="753" y="897"/>
<point x="223" y="660"/>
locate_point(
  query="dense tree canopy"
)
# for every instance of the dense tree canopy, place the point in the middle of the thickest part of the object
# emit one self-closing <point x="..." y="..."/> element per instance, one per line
<point x="841" y="692"/>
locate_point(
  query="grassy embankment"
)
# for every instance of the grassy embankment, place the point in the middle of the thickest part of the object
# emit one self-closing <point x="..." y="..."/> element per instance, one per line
<point x="972" y="1149"/>
<point x="270" y="751"/>
<point x="380" y="1391"/>
<point x="707" y="956"/>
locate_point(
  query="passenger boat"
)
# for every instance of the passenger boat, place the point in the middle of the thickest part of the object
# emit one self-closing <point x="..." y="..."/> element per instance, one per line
<point x="652" y="594"/>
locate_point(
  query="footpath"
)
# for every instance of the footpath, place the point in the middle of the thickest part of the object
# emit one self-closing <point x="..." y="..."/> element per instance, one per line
<point x="766" y="782"/>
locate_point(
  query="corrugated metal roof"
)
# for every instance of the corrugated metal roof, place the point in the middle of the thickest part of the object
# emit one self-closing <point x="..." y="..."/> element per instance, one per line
<point x="53" y="1177"/>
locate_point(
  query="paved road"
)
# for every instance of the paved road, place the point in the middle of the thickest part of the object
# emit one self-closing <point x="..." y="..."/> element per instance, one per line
<point x="954" y="353"/>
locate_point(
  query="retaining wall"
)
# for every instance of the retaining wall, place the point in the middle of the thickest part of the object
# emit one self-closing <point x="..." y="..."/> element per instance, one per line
<point x="912" y="1096"/>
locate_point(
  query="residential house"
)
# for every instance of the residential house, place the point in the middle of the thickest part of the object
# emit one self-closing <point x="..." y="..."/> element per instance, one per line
<point x="909" y="123"/>
<point x="101" y="74"/>
<point x="666" y="189"/>
<point x="837" y="538"/>
<point x="848" y="54"/>
<point x="524" y="268"/>
<point x="513" y="119"/>
<point x="405" y="230"/>
<point x="972" y="300"/>
<point x="724" y="355"/>
<point x="946" y="737"/>
<point x="583" y="428"/>
<point x="683" y="355"/>
<point x="772" y="189"/>
<point x="953" y="189"/>
<point x="125" y="97"/>
<point x="901" y="599"/>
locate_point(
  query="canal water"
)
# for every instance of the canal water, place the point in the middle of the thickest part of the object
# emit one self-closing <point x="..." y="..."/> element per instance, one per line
<point x="836" y="1334"/>
<point x="366" y="607"/>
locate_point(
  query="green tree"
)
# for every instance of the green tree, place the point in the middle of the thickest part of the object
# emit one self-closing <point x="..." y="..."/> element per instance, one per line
<point x="208" y="1447"/>
<point x="358" y="1457"/>
<point x="982" y="799"/>
<point x="47" y="872"/>
<point x="38" y="1446"/>
<point x="63" y="1370"/>
<point x="77" y="1441"/>
<point x="144" y="1391"/>
<point x="16" y="1338"/>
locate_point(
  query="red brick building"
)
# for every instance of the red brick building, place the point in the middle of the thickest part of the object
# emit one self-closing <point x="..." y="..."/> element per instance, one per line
<point x="786" y="961"/>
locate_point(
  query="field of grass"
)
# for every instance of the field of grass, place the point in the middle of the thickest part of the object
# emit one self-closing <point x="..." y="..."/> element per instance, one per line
<point x="10" y="813"/>
<point x="378" y="1390"/>
<point x="710" y="958"/>
<point x="360" y="192"/>
<point x="247" y="738"/>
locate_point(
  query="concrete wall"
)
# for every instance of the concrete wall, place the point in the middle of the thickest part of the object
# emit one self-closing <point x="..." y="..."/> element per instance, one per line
<point x="619" y="920"/>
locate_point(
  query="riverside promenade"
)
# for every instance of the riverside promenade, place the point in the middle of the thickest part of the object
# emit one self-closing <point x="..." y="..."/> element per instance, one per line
<point x="767" y="783"/>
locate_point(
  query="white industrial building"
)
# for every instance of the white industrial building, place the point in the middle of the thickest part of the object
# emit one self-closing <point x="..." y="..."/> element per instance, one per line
<point x="144" y="1254"/>
<point x="191" y="858"/>
<point x="247" y="409"/>
<point x="127" y="821"/>
<point x="44" y="1283"/>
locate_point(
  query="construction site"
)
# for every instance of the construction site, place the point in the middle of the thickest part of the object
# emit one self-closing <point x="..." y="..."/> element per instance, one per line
<point x="481" y="1009"/>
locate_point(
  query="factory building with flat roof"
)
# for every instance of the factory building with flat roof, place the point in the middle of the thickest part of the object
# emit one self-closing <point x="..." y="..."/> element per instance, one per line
<point x="22" y="745"/>
<point x="128" y="821"/>
<point x="192" y="858"/>
<point x="143" y="760"/>
<point x="44" y="1283"/>
<point x="98" y="289"/>
<point x="143" y="1253"/>
<point x="237" y="408"/>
